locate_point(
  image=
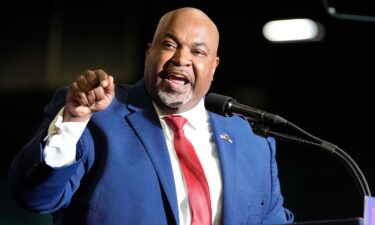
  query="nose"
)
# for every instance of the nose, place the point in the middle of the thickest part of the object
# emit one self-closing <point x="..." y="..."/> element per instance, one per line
<point x="182" y="57"/>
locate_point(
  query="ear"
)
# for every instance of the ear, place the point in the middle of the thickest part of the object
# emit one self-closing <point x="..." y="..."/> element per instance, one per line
<point x="214" y="66"/>
<point x="148" y="48"/>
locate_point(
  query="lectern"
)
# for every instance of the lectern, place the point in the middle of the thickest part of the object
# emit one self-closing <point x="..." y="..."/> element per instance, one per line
<point x="349" y="221"/>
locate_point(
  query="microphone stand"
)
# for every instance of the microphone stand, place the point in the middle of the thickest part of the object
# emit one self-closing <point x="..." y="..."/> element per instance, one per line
<point x="227" y="106"/>
<point x="350" y="164"/>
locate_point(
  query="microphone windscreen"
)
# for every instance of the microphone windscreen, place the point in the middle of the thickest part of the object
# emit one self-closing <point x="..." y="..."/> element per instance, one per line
<point x="217" y="103"/>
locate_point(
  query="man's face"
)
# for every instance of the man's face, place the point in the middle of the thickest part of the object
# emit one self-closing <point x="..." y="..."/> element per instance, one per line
<point x="180" y="62"/>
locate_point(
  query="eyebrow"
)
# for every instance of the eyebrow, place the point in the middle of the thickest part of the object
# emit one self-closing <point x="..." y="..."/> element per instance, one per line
<point x="195" y="44"/>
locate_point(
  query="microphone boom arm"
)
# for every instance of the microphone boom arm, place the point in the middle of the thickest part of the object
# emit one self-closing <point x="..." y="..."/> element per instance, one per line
<point x="349" y="162"/>
<point x="227" y="106"/>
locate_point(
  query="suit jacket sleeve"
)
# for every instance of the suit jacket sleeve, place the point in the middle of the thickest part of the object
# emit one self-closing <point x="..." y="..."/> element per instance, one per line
<point x="276" y="212"/>
<point x="33" y="184"/>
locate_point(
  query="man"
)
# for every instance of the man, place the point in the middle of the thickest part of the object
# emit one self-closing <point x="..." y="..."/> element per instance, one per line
<point x="106" y="155"/>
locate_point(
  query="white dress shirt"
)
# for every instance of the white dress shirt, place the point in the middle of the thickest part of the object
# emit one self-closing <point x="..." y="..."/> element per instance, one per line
<point x="198" y="131"/>
<point x="63" y="137"/>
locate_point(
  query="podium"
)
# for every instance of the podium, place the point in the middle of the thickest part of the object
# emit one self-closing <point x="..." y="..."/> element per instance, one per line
<point x="348" y="221"/>
<point x="368" y="217"/>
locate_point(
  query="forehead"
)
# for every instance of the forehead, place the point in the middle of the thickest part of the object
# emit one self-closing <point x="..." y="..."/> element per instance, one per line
<point x="188" y="27"/>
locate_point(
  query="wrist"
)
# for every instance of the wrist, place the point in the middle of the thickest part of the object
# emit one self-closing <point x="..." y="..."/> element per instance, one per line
<point x="70" y="117"/>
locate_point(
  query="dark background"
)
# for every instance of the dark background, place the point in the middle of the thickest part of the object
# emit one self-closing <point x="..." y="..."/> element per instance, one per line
<point x="324" y="87"/>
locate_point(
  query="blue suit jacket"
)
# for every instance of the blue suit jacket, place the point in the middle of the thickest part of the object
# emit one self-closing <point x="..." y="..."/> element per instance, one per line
<point x="123" y="173"/>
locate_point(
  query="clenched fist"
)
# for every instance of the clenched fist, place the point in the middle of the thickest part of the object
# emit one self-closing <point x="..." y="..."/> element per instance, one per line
<point x="91" y="92"/>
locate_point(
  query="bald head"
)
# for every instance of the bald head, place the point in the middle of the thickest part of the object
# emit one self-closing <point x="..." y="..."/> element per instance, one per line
<point x="181" y="60"/>
<point x="190" y="15"/>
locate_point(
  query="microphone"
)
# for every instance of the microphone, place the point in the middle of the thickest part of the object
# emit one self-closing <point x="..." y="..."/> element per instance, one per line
<point x="227" y="106"/>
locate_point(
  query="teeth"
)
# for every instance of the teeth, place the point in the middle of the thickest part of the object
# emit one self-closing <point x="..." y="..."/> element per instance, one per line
<point x="177" y="79"/>
<point x="179" y="82"/>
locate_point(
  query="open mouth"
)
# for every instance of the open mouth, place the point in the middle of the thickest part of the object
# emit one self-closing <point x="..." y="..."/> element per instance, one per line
<point x="177" y="79"/>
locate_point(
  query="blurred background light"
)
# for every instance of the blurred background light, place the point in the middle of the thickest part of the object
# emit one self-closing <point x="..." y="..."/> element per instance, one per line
<point x="293" y="30"/>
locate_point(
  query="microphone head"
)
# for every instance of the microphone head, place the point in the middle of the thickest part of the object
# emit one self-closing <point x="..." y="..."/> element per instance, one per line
<point x="219" y="104"/>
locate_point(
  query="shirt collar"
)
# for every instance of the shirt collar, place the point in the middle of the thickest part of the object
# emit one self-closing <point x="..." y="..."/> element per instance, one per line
<point x="197" y="116"/>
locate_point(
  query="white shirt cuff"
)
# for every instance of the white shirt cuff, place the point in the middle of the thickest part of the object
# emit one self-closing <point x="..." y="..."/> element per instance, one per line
<point x="61" y="141"/>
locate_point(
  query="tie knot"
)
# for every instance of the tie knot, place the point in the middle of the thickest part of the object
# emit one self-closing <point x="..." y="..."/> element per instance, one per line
<point x="176" y="122"/>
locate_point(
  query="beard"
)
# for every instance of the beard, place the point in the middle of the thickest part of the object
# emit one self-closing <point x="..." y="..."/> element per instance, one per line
<point x="174" y="99"/>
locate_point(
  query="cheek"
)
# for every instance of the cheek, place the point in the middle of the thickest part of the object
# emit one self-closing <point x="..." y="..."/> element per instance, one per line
<point x="157" y="59"/>
<point x="205" y="71"/>
<point x="203" y="82"/>
<point x="201" y="67"/>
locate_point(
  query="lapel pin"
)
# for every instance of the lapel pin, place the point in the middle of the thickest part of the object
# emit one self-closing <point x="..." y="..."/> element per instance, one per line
<point x="226" y="137"/>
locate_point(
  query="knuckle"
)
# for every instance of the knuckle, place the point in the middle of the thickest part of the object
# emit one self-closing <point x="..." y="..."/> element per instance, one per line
<point x="100" y="71"/>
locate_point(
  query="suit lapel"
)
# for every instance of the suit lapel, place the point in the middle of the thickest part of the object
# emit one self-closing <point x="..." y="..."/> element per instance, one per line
<point x="146" y="124"/>
<point x="226" y="147"/>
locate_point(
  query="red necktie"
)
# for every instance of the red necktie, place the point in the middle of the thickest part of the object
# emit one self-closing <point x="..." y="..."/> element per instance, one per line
<point x="197" y="186"/>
